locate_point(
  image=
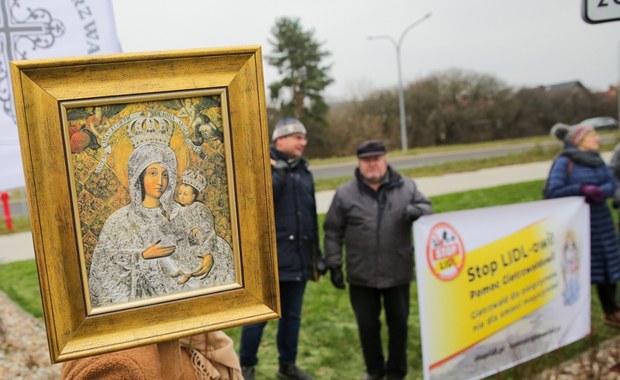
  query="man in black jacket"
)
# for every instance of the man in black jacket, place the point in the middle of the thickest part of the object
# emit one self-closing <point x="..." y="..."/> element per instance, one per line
<point x="372" y="216"/>
<point x="298" y="250"/>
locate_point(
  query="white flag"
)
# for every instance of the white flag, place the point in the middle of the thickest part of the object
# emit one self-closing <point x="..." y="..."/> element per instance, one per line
<point x="44" y="29"/>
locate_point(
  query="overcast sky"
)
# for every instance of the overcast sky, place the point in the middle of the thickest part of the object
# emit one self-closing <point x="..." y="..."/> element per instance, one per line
<point x="523" y="43"/>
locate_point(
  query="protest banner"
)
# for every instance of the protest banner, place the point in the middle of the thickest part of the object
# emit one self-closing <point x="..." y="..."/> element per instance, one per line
<point x="501" y="285"/>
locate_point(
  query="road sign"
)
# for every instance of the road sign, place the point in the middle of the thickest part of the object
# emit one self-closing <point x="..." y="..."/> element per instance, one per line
<point x="597" y="11"/>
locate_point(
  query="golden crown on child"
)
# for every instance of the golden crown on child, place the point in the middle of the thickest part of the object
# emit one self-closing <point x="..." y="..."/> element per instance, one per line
<point x="194" y="179"/>
<point x="150" y="129"/>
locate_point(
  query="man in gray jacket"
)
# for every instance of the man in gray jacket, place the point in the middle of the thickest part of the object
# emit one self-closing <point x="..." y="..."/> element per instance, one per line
<point x="372" y="216"/>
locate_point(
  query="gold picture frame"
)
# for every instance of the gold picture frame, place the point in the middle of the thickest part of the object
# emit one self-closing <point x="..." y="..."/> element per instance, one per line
<point x="150" y="199"/>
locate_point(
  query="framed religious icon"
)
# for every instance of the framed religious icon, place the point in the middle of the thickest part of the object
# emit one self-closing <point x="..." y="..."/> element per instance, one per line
<point x="150" y="195"/>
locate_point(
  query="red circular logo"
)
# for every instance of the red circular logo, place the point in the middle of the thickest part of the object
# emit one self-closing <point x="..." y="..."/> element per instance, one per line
<point x="445" y="252"/>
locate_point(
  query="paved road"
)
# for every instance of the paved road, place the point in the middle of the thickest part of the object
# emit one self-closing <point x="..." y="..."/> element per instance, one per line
<point x="406" y="162"/>
<point x="15" y="247"/>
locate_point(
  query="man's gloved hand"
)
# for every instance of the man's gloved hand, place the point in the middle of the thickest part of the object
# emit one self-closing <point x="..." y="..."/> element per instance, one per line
<point x="337" y="277"/>
<point x="321" y="266"/>
<point x="413" y="212"/>
<point x="593" y="194"/>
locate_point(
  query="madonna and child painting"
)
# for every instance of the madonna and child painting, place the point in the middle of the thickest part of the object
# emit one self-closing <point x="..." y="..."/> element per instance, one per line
<point x="152" y="198"/>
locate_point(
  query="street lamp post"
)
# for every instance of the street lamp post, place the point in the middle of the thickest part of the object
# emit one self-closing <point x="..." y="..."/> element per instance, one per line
<point x="401" y="93"/>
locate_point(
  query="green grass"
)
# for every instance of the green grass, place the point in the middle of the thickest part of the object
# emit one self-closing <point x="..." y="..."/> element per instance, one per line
<point x="20" y="224"/>
<point x="496" y="196"/>
<point x="19" y="281"/>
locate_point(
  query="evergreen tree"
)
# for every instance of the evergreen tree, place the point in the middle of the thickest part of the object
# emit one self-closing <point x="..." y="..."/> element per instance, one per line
<point x="298" y="57"/>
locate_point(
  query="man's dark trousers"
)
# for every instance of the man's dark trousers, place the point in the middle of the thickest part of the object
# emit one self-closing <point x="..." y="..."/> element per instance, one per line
<point x="291" y="301"/>
<point x="366" y="303"/>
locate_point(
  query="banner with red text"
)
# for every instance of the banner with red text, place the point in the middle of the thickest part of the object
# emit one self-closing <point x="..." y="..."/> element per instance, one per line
<point x="501" y="285"/>
<point x="44" y="29"/>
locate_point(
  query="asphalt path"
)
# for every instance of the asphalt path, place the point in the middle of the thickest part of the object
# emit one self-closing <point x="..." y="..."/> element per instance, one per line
<point x="406" y="162"/>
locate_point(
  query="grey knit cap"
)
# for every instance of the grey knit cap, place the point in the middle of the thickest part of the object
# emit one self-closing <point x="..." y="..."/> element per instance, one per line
<point x="287" y="126"/>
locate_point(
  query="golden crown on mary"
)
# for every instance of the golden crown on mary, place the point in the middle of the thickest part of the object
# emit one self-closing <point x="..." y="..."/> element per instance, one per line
<point x="150" y="129"/>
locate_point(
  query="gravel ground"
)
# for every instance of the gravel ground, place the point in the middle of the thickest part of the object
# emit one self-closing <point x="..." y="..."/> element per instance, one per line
<point x="24" y="353"/>
<point x="23" y="346"/>
<point x="599" y="363"/>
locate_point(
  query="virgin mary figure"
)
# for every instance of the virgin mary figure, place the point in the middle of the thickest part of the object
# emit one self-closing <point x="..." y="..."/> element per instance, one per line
<point x="132" y="259"/>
